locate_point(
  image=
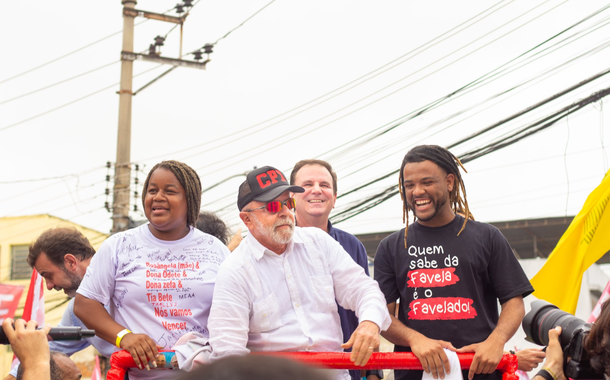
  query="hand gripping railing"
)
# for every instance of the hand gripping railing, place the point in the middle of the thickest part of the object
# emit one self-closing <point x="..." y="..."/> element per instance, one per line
<point x="121" y="360"/>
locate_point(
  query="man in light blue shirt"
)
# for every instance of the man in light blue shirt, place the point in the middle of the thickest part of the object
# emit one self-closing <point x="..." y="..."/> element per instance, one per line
<point x="61" y="256"/>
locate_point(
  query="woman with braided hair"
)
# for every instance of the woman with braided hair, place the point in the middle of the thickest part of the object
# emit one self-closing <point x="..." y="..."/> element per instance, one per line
<point x="448" y="271"/>
<point x="158" y="278"/>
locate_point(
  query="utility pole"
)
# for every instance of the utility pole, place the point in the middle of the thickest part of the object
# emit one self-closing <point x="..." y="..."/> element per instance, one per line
<point x="122" y="170"/>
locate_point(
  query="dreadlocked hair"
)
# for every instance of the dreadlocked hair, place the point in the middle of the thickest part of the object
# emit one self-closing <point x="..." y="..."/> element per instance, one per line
<point x="450" y="164"/>
<point x="189" y="180"/>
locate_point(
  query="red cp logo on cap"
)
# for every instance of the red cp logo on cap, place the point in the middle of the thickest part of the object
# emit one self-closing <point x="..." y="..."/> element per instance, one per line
<point x="268" y="178"/>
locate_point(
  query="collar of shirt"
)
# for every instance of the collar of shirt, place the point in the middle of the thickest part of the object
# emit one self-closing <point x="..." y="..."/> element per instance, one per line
<point x="258" y="250"/>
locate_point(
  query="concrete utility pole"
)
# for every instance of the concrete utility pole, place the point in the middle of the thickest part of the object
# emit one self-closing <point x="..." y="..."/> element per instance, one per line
<point x="122" y="168"/>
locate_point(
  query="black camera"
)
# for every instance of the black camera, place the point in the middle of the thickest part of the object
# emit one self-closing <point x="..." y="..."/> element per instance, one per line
<point x="574" y="332"/>
<point x="59" y="333"/>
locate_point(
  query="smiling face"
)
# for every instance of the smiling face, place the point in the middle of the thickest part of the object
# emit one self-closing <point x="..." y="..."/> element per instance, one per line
<point x="314" y="205"/>
<point x="165" y="206"/>
<point x="427" y="189"/>
<point x="57" y="277"/>
<point x="274" y="231"/>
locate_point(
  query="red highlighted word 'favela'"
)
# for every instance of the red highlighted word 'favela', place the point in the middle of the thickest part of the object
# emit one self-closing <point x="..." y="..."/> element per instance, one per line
<point x="431" y="278"/>
<point x="442" y="308"/>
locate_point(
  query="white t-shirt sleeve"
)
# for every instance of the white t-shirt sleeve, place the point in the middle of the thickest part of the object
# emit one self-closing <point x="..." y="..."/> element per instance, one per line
<point x="98" y="283"/>
<point x="454" y="364"/>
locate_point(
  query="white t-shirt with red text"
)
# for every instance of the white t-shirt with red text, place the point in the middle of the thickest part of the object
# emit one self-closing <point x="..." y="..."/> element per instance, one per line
<point x="156" y="287"/>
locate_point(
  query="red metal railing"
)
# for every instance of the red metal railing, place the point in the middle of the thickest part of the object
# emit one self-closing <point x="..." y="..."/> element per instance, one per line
<point x="120" y="361"/>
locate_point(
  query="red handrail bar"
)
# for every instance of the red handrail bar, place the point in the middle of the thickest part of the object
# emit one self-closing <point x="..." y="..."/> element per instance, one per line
<point x="121" y="360"/>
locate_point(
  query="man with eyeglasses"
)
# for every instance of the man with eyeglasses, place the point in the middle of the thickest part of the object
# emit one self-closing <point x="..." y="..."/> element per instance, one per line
<point x="277" y="290"/>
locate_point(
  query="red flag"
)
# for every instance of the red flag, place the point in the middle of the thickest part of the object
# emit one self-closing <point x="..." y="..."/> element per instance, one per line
<point x="598" y="308"/>
<point x="34" y="304"/>
<point x="97" y="373"/>
<point x="9" y="299"/>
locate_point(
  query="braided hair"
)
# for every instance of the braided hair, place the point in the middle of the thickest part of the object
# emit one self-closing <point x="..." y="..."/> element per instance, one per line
<point x="189" y="180"/>
<point x="449" y="163"/>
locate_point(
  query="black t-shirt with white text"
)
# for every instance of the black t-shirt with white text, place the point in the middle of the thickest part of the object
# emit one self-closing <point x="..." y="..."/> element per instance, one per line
<point x="449" y="285"/>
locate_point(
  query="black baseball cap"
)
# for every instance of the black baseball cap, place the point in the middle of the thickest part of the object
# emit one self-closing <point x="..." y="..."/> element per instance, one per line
<point x="264" y="185"/>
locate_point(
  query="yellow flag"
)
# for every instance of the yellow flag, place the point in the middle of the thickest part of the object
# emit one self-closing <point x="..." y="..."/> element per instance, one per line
<point x="584" y="242"/>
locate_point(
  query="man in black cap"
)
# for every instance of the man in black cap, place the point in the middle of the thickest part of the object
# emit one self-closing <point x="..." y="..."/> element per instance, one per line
<point x="277" y="290"/>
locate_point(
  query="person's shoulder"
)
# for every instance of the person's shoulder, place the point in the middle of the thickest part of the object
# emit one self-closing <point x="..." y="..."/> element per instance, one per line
<point x="237" y="259"/>
<point x="129" y="235"/>
<point x="480" y="227"/>
<point x="201" y="237"/>
<point x="343" y="235"/>
<point x="391" y="244"/>
<point x="313" y="238"/>
<point x="69" y="314"/>
<point x="394" y="237"/>
<point x="310" y="233"/>
<point x="117" y="241"/>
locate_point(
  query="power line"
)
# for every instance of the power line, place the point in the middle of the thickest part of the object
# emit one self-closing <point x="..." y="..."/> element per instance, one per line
<point x="311" y="130"/>
<point x="71" y="102"/>
<point x="491" y="147"/>
<point x="64" y="56"/>
<point x="461" y="91"/>
<point x="243" y="22"/>
<point x="395" y="142"/>
<point x="176" y="25"/>
<point x="58" y="83"/>
<point x="531" y="108"/>
<point x="536" y="126"/>
<point x="479" y="81"/>
<point x="75" y="51"/>
<point x="346" y="87"/>
<point x="476" y="82"/>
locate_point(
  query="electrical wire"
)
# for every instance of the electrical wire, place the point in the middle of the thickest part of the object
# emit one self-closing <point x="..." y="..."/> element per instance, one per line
<point x="491" y="147"/>
<point x="453" y="95"/>
<point x="44" y="179"/>
<point x="185" y="16"/>
<point x="536" y="78"/>
<point x="346" y="87"/>
<point x="65" y="55"/>
<point x="58" y="83"/>
<point x="307" y="128"/>
<point x="243" y="22"/>
<point x="385" y="175"/>
<point x="396" y="142"/>
<point x="349" y="192"/>
<point x="71" y="102"/>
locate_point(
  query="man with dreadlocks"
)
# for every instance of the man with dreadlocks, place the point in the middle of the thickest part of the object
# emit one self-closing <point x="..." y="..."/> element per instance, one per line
<point x="448" y="271"/>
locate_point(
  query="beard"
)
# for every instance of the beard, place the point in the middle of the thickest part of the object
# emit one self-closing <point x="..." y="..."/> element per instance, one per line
<point x="437" y="208"/>
<point x="74" y="283"/>
<point x="283" y="236"/>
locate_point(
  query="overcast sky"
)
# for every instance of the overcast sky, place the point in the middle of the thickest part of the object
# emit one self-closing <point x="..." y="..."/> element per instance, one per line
<point x="243" y="110"/>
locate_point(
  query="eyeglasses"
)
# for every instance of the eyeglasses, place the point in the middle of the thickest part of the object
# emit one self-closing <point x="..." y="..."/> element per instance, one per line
<point x="275" y="206"/>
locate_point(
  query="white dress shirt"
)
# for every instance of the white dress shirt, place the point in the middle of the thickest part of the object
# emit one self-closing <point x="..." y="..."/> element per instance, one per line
<point x="269" y="302"/>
